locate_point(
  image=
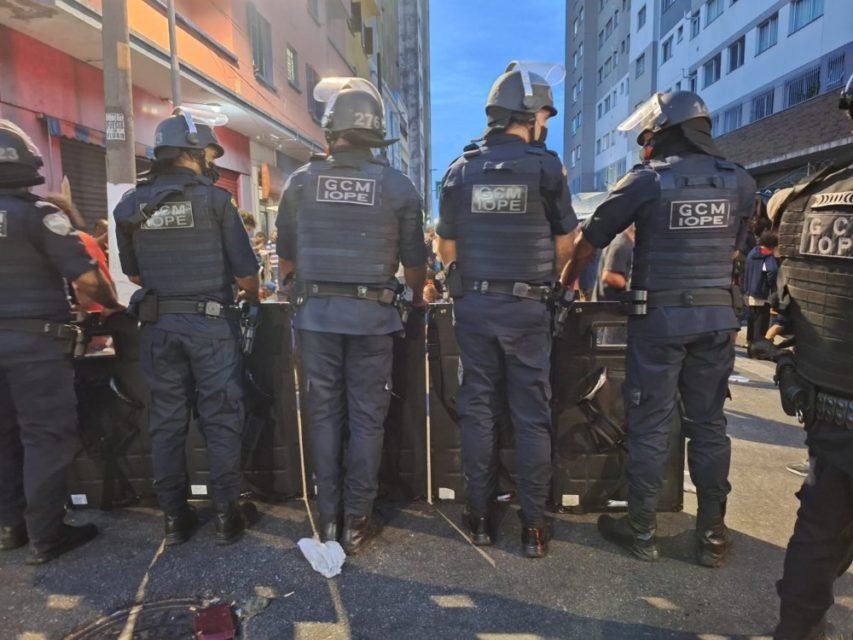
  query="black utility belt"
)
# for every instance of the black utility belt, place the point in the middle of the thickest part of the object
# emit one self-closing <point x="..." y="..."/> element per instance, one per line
<point x="834" y="410"/>
<point x="710" y="297"/>
<point x="55" y="330"/>
<point x="374" y="293"/>
<point x="206" y="308"/>
<point x="523" y="290"/>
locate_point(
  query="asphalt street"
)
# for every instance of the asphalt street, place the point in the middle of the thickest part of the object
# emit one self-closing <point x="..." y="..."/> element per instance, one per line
<point x="422" y="579"/>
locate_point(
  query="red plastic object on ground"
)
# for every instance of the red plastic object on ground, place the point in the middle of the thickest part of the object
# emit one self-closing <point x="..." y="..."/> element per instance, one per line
<point x="215" y="622"/>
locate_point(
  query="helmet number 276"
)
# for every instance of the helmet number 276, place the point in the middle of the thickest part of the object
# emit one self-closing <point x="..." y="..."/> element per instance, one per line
<point x="366" y="120"/>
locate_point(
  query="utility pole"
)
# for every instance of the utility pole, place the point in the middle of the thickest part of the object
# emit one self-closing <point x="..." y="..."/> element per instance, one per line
<point x="173" y="51"/>
<point x="118" y="102"/>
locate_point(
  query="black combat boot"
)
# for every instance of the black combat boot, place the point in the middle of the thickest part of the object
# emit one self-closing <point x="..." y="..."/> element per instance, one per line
<point x="233" y="519"/>
<point x="478" y="527"/>
<point x="534" y="538"/>
<point x="638" y="539"/>
<point x="69" y="538"/>
<point x="330" y="527"/>
<point x="180" y="526"/>
<point x="12" y="538"/>
<point x="713" y="538"/>
<point x="358" y="531"/>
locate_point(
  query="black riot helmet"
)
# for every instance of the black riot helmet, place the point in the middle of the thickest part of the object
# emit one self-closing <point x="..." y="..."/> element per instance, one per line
<point x="20" y="159"/>
<point x="354" y="110"/>
<point x="665" y="110"/>
<point x="846" y="102"/>
<point x="208" y="138"/>
<point x="179" y="132"/>
<point x="521" y="91"/>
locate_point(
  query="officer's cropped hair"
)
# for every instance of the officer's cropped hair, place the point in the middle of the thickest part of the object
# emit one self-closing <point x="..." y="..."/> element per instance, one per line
<point x="769" y="240"/>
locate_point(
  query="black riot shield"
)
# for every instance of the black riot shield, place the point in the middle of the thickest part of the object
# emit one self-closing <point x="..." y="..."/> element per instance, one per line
<point x="589" y="456"/>
<point x="589" y="448"/>
<point x="113" y="466"/>
<point x="270" y="456"/>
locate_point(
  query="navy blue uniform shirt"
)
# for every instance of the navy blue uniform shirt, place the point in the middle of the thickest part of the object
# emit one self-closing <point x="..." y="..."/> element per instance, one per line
<point x="348" y="315"/>
<point x="635" y="198"/>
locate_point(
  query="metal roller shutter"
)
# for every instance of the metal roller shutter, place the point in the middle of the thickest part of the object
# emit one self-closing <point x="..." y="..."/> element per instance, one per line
<point x="86" y="168"/>
<point x="230" y="181"/>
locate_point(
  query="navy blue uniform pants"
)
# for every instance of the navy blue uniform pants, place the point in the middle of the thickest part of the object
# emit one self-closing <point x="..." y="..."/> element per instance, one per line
<point x="181" y="370"/>
<point x="820" y="550"/>
<point x="657" y="370"/>
<point x="496" y="370"/>
<point x="347" y="386"/>
<point x="38" y="435"/>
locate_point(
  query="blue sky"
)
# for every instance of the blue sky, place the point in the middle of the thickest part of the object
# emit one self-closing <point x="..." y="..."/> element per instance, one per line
<point x="471" y="42"/>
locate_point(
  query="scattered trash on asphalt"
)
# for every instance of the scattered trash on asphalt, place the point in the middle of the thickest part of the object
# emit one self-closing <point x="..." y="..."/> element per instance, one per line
<point x="326" y="558"/>
<point x="738" y="379"/>
<point x="252" y="607"/>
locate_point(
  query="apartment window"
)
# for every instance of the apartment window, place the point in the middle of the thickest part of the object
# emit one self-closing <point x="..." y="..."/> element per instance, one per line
<point x="667" y="4"/>
<point x="835" y="72"/>
<point x="314" y="9"/>
<point x="598" y="146"/>
<point x="292" y="67"/>
<point x="715" y="124"/>
<point x="579" y="153"/>
<point x="762" y="106"/>
<point x="691" y="81"/>
<point x="607" y="66"/>
<point x="600" y="39"/>
<point x="574" y="93"/>
<point x="575" y="26"/>
<point x="314" y="108"/>
<point x="711" y="71"/>
<point x="600" y="110"/>
<point x="666" y="49"/>
<point x="640" y="66"/>
<point x="767" y="33"/>
<point x="713" y="10"/>
<point x="580" y="86"/>
<point x="622" y="88"/>
<point x="616" y="18"/>
<point x="679" y="34"/>
<point x="803" y="87"/>
<point x="736" y="51"/>
<point x="580" y="51"/>
<point x="678" y="86"/>
<point x="575" y="59"/>
<point x="607" y="104"/>
<point x="600" y="74"/>
<point x="803" y="12"/>
<point x="608" y="29"/>
<point x="732" y="119"/>
<point x="694" y="25"/>
<point x="641" y="17"/>
<point x="261" y="37"/>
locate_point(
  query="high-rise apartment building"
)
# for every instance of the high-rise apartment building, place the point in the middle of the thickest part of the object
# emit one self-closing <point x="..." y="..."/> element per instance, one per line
<point x="769" y="71"/>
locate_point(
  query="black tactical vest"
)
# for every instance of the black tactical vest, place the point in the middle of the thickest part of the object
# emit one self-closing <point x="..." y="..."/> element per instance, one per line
<point x="503" y="232"/>
<point x="179" y="247"/>
<point x="30" y="286"/>
<point x="816" y="240"/>
<point x="345" y="232"/>
<point x="689" y="241"/>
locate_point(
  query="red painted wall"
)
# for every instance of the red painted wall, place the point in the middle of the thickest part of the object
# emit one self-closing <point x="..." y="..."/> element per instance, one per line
<point x="35" y="78"/>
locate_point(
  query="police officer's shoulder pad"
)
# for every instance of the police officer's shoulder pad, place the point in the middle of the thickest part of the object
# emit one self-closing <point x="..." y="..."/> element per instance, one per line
<point x="553" y="153"/>
<point x="58" y="222"/>
<point x="380" y="161"/>
<point x="535" y="150"/>
<point x="471" y="146"/>
<point x="471" y="150"/>
<point x="657" y="165"/>
<point x="726" y="165"/>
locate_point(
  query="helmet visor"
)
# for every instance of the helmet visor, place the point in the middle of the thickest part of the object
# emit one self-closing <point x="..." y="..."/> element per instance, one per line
<point x="553" y="73"/>
<point x="328" y="88"/>
<point x="646" y="117"/>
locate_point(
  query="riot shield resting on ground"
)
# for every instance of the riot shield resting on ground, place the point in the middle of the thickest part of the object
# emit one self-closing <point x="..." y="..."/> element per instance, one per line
<point x="589" y="450"/>
<point x="589" y="456"/>
<point x="113" y="467"/>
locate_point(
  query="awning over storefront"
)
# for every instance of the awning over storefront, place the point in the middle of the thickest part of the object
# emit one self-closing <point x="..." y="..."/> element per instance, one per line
<point x="73" y="131"/>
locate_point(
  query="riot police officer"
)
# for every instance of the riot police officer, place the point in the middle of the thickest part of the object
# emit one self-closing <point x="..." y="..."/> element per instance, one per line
<point x="506" y="230"/>
<point x="691" y="209"/>
<point x="39" y="252"/>
<point x="182" y="240"/>
<point x="346" y="220"/>
<point x="816" y="291"/>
